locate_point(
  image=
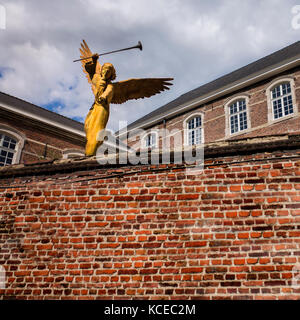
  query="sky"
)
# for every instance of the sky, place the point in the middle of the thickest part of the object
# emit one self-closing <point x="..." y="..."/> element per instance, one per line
<point x="192" y="41"/>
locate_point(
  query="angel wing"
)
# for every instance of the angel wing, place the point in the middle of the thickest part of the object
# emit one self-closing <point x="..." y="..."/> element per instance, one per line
<point x="84" y="53"/>
<point x="139" y="88"/>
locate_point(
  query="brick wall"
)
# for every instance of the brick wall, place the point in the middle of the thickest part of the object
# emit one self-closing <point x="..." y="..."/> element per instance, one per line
<point x="75" y="230"/>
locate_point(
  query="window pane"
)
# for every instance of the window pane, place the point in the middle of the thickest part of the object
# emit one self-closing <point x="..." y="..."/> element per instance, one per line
<point x="194" y="137"/>
<point x="286" y="88"/>
<point x="191" y="124"/>
<point x="277" y="107"/>
<point x="153" y="140"/>
<point x="234" y="124"/>
<point x="191" y="138"/>
<point x="2" y="161"/>
<point x="198" y="122"/>
<point x="233" y="108"/>
<point x="6" y="157"/>
<point x="276" y="92"/>
<point x="243" y="121"/>
<point x="288" y="105"/>
<point x="150" y="140"/>
<point x="194" y="131"/>
<point x="242" y="105"/>
<point x="8" y="142"/>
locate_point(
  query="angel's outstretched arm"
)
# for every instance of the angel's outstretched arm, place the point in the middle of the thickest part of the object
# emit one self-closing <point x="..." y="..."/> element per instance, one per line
<point x="107" y="95"/>
<point x="90" y="67"/>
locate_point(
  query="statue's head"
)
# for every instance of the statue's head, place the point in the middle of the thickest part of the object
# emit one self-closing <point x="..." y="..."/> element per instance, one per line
<point x="108" y="71"/>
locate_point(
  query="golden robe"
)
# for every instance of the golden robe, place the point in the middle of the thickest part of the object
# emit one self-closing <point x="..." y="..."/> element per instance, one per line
<point x="98" y="115"/>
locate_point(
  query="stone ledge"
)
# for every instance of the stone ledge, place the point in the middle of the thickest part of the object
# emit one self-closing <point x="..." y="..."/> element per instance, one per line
<point x="213" y="150"/>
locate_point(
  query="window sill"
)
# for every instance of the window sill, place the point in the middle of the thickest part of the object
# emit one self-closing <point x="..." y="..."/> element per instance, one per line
<point x="290" y="116"/>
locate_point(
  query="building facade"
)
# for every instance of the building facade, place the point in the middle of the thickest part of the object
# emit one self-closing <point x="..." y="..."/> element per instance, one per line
<point x="260" y="99"/>
<point x="29" y="133"/>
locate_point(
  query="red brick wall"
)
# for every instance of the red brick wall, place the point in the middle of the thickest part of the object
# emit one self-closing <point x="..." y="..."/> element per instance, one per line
<point x="155" y="232"/>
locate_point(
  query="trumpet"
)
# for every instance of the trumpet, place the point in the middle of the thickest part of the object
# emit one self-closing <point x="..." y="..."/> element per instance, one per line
<point x="138" y="46"/>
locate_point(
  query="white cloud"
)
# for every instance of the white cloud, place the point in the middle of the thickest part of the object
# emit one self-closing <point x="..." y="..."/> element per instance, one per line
<point x="192" y="41"/>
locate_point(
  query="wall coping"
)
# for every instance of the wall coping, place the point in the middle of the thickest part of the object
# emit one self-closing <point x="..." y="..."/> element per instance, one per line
<point x="236" y="147"/>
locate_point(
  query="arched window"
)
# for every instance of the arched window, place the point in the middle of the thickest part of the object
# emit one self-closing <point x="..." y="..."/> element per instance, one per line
<point x="238" y="120"/>
<point x="7" y="149"/>
<point x="282" y="100"/>
<point x="237" y="115"/>
<point x="194" y="130"/>
<point x="11" y="145"/>
<point x="150" y="140"/>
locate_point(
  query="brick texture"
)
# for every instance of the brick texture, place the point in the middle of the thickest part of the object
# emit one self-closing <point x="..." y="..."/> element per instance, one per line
<point x="214" y="120"/>
<point x="40" y="143"/>
<point x="155" y="232"/>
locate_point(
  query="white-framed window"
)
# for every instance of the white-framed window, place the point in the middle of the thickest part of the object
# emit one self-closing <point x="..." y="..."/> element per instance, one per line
<point x="11" y="145"/>
<point x="281" y="99"/>
<point x="150" y="140"/>
<point x="237" y="115"/>
<point x="193" y="127"/>
<point x="238" y="118"/>
<point x="8" y="147"/>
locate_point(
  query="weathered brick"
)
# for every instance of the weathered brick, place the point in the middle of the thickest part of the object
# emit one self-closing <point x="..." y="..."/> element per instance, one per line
<point x="229" y="233"/>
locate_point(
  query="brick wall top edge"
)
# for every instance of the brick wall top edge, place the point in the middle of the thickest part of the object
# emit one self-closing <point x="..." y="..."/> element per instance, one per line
<point x="211" y="151"/>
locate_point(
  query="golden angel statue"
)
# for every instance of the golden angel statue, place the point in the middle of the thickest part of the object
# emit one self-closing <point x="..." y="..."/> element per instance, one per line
<point x="106" y="92"/>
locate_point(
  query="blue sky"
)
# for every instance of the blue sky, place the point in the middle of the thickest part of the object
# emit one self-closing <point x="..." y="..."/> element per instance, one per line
<point x="192" y="41"/>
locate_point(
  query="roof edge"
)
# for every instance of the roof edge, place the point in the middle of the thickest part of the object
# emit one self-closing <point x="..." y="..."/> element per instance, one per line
<point x="231" y="87"/>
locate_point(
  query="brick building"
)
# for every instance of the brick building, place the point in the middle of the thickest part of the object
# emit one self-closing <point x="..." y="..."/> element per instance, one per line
<point x="29" y="133"/>
<point x="75" y="229"/>
<point x="259" y="99"/>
